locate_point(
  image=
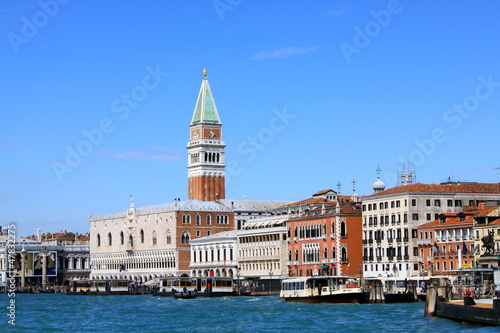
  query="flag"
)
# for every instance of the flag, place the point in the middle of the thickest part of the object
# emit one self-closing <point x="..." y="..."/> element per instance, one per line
<point x="464" y="247"/>
<point x="435" y="249"/>
<point x="122" y="267"/>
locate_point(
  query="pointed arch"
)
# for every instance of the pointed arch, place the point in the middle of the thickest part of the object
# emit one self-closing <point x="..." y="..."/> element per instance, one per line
<point x="185" y="237"/>
<point x="343" y="231"/>
<point x="153" y="238"/>
<point x="344" y="254"/>
<point x="169" y="237"/>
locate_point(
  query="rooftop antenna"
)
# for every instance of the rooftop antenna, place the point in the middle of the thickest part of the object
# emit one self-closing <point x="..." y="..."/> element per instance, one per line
<point x="406" y="174"/>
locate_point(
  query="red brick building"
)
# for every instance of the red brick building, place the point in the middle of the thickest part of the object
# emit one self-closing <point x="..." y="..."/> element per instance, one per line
<point x="325" y="238"/>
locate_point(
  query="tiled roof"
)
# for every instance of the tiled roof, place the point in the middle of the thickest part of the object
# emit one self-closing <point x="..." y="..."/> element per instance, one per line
<point x="450" y="222"/>
<point x="320" y="201"/>
<point x="485" y="211"/>
<point x="322" y="192"/>
<point x="441" y="188"/>
<point x="452" y="219"/>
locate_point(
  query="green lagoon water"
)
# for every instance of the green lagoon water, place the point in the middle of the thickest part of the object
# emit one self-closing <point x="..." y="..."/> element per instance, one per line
<point x="145" y="313"/>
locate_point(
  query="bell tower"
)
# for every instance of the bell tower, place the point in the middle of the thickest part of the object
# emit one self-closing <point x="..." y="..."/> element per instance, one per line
<point x="206" y="149"/>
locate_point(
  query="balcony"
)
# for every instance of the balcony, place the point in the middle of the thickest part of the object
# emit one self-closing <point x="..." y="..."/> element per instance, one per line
<point x="390" y="240"/>
<point x="398" y="239"/>
<point x="379" y="258"/>
<point x="129" y="247"/>
<point x="405" y="239"/>
<point x="424" y="241"/>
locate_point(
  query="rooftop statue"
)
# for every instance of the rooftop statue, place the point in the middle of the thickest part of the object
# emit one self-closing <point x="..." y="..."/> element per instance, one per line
<point x="489" y="243"/>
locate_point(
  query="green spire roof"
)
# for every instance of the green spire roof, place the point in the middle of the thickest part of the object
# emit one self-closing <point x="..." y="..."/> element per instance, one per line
<point x="205" y="110"/>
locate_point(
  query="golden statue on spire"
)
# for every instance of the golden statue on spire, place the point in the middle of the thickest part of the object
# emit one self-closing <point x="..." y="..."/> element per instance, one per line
<point x="204" y="72"/>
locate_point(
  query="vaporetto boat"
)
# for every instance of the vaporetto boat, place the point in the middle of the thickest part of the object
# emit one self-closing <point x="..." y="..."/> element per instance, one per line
<point x="101" y="287"/>
<point x="323" y="289"/>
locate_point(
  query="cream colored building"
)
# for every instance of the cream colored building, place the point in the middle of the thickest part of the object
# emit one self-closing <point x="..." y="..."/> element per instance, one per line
<point x="215" y="255"/>
<point x="262" y="248"/>
<point x="391" y="217"/>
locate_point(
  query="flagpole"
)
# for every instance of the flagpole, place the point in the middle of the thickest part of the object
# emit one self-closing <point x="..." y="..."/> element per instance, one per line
<point x="459" y="259"/>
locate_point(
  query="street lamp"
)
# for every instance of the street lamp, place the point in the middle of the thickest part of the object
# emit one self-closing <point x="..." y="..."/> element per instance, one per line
<point x="23" y="268"/>
<point x="270" y="278"/>
<point x="238" y="280"/>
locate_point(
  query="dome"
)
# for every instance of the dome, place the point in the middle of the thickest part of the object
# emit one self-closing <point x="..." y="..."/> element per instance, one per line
<point x="378" y="185"/>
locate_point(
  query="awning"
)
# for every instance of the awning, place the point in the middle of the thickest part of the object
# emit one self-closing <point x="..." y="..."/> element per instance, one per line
<point x="324" y="266"/>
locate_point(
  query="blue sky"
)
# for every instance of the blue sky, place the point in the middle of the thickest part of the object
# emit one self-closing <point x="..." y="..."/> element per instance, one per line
<point x="96" y="98"/>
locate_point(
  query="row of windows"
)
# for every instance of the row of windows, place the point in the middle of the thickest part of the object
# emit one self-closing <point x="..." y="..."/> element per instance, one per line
<point x="252" y="253"/>
<point x="390" y="251"/>
<point x="428" y="202"/>
<point x="373" y="220"/>
<point x="212" y="255"/>
<point x="268" y="267"/>
<point x="130" y="242"/>
<point x="390" y="234"/>
<point x="312" y="256"/>
<point x="220" y="219"/>
<point x="316" y="231"/>
<point x="384" y="205"/>
<point x="164" y="263"/>
<point x="259" y="239"/>
<point x="388" y="267"/>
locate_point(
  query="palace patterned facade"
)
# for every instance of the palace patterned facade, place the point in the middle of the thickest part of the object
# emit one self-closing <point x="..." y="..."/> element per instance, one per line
<point x="144" y="243"/>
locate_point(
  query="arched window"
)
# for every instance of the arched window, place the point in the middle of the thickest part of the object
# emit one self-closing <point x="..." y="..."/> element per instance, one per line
<point x="98" y="240"/>
<point x="198" y="219"/>
<point x="122" y="238"/>
<point x="169" y="237"/>
<point x="325" y="253"/>
<point x="185" y="237"/>
<point x="154" y="238"/>
<point x="209" y="219"/>
<point x="130" y="241"/>
<point x="110" y="239"/>
<point x="342" y="230"/>
<point x="344" y="254"/>
<point x="141" y="235"/>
